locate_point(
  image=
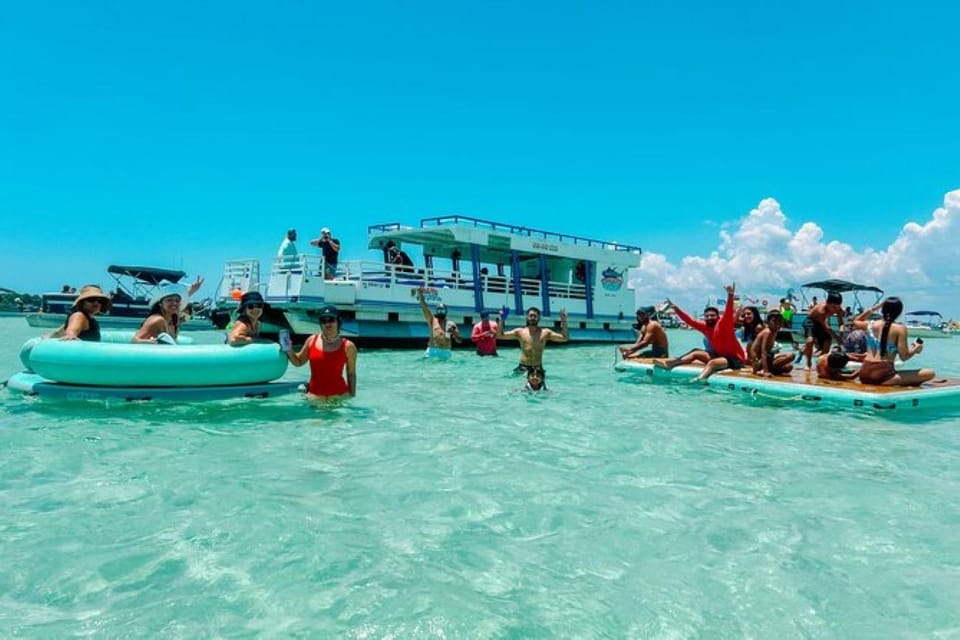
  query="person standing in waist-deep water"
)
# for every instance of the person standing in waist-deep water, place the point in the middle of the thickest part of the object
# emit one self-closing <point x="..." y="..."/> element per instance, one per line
<point x="484" y="335"/>
<point x="330" y="247"/>
<point x="330" y="356"/>
<point x="887" y="339"/>
<point x="533" y="338"/>
<point x="81" y="324"/>
<point x="442" y="333"/>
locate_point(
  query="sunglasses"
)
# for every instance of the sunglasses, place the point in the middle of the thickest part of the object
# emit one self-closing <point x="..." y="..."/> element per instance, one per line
<point x="95" y="301"/>
<point x="254" y="305"/>
<point x="328" y="320"/>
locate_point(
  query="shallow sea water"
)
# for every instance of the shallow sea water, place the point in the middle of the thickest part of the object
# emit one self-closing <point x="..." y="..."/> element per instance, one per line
<point x="442" y="503"/>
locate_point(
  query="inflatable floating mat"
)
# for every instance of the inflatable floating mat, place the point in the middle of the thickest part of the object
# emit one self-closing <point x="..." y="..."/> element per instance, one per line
<point x="35" y="385"/>
<point x="805" y="387"/>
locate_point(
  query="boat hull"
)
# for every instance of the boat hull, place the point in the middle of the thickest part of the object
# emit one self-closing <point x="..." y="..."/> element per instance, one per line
<point x="803" y="387"/>
<point x="103" y="364"/>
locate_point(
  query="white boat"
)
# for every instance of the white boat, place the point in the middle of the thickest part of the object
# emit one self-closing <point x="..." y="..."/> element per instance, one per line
<point x="468" y="264"/>
<point x="926" y="324"/>
<point x="129" y="301"/>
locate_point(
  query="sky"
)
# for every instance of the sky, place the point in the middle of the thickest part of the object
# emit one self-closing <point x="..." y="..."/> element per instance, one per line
<point x="763" y="143"/>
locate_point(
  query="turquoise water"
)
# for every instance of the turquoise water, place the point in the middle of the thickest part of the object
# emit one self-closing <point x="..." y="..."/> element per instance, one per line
<point x="441" y="503"/>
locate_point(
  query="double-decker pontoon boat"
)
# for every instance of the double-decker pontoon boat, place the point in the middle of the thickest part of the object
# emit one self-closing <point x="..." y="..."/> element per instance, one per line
<point x="468" y="264"/>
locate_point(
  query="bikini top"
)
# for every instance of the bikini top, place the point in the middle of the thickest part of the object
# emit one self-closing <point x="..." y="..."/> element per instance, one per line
<point x="873" y="340"/>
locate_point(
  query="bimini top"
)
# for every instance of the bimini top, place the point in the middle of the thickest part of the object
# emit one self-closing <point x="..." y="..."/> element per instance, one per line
<point x="150" y="275"/>
<point x="923" y="313"/>
<point x="439" y="236"/>
<point x="840" y="286"/>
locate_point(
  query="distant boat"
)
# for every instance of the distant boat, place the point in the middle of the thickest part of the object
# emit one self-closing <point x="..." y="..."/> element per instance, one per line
<point x="129" y="301"/>
<point x="926" y="324"/>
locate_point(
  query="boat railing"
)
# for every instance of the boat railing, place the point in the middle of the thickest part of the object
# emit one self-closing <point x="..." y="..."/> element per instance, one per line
<point x="243" y="275"/>
<point x="372" y="273"/>
<point x="451" y="220"/>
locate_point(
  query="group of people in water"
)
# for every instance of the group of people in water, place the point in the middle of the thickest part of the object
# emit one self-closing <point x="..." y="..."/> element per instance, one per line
<point x="734" y="339"/>
<point x="331" y="356"/>
<point x="739" y="338"/>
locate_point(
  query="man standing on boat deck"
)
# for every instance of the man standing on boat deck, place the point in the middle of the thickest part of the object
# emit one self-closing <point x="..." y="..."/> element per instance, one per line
<point x="330" y="247"/>
<point x="287" y="254"/>
<point x="533" y="338"/>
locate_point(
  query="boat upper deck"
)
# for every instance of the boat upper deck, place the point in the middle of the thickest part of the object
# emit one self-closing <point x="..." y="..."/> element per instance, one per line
<point x="495" y="240"/>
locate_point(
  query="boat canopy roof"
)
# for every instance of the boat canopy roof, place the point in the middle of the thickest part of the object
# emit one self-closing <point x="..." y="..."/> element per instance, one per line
<point x="923" y="313"/>
<point x="441" y="235"/>
<point x="150" y="275"/>
<point x="840" y="286"/>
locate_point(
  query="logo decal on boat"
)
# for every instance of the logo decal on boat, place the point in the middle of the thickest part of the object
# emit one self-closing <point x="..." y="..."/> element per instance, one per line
<point x="611" y="279"/>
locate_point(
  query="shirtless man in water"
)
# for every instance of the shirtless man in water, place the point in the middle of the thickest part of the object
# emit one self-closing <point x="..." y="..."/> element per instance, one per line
<point x="441" y="332"/>
<point x="534" y="338"/>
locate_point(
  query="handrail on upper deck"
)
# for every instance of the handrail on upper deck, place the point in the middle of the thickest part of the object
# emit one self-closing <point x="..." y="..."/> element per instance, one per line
<point x="440" y="221"/>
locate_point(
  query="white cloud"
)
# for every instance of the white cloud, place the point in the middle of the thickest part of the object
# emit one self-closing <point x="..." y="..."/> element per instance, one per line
<point x="765" y="257"/>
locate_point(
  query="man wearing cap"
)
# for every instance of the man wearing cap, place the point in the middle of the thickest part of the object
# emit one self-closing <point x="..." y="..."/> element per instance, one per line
<point x="330" y="247"/>
<point x="651" y="334"/>
<point x="442" y="333"/>
<point x="533" y="338"/>
<point x="287" y="254"/>
<point x="484" y="335"/>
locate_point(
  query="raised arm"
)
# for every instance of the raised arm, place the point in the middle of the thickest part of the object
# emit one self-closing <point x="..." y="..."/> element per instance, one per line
<point x="861" y="320"/>
<point x="427" y="314"/>
<point x="300" y="358"/>
<point x="564" y="334"/>
<point x="688" y="320"/>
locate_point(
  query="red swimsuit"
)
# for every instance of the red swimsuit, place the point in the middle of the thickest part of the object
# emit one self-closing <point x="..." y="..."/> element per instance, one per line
<point x="326" y="370"/>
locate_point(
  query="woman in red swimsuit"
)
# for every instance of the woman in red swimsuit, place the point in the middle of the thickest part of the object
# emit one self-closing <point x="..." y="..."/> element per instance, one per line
<point x="328" y="354"/>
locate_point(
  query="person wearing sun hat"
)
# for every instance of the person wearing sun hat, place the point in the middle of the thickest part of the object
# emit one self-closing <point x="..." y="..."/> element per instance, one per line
<point x="163" y="324"/>
<point x="246" y="328"/>
<point x="81" y="324"/>
<point x="329" y="355"/>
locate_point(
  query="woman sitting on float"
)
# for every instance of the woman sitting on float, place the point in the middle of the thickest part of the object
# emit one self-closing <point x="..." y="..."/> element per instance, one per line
<point x="329" y="354"/>
<point x="886" y="339"/>
<point x="80" y="324"/>
<point x="246" y="328"/>
<point x="163" y="323"/>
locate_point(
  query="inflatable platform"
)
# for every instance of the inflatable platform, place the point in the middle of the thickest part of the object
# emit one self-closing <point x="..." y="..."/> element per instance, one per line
<point x="805" y="387"/>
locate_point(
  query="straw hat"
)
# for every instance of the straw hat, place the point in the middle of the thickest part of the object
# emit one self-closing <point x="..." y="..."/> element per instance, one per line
<point x="92" y="291"/>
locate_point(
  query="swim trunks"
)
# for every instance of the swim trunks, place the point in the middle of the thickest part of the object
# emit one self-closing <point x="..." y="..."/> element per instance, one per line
<point x="438" y="353"/>
<point x="653" y="352"/>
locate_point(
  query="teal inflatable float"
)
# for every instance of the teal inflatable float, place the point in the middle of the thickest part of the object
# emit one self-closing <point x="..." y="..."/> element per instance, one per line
<point x="121" y="364"/>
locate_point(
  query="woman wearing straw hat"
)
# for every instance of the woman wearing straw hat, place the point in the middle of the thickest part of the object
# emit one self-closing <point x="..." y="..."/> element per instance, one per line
<point x="329" y="354"/>
<point x="163" y="323"/>
<point x="246" y="328"/>
<point x="81" y="324"/>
